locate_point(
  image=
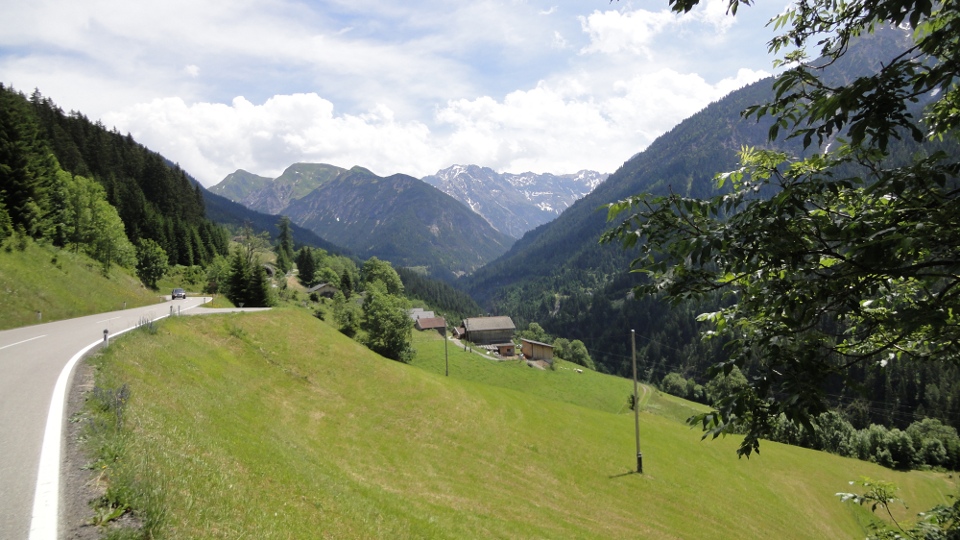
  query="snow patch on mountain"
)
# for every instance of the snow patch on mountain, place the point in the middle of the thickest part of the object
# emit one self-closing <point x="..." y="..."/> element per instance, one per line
<point x="514" y="203"/>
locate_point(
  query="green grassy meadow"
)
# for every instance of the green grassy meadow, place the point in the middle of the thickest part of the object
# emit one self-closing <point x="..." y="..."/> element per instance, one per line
<point x="274" y="425"/>
<point x="60" y="285"/>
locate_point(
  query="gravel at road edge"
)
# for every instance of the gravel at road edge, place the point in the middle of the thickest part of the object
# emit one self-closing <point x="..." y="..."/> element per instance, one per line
<point x="78" y="485"/>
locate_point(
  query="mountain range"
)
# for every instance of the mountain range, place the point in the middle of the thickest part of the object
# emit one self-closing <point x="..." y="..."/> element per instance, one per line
<point x="398" y="218"/>
<point x="273" y="195"/>
<point x="514" y="203"/>
<point x="412" y="224"/>
<point x="511" y="203"/>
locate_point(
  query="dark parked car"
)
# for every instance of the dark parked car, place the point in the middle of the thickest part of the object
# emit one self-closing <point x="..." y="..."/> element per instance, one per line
<point x="178" y="293"/>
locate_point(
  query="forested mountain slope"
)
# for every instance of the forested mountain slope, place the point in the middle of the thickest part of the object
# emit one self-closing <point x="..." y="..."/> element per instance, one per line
<point x="566" y="250"/>
<point x="683" y="160"/>
<point x="560" y="276"/>
<point x="154" y="200"/>
<point x="273" y="196"/>
<point x="399" y="219"/>
<point x="237" y="185"/>
<point x="235" y="216"/>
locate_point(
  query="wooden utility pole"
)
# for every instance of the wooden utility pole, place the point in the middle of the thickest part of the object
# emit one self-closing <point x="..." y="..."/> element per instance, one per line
<point x="636" y="400"/>
<point x="446" y="358"/>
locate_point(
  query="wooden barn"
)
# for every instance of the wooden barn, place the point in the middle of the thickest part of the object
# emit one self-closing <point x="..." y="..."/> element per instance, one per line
<point x="431" y="323"/>
<point x="535" y="350"/>
<point x="489" y="330"/>
<point x="325" y="290"/>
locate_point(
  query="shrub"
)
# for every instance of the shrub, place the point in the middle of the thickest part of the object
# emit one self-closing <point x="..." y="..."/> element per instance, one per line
<point x="674" y="384"/>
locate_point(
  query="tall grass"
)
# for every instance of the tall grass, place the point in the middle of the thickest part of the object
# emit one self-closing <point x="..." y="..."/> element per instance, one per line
<point x="43" y="283"/>
<point x="273" y="425"/>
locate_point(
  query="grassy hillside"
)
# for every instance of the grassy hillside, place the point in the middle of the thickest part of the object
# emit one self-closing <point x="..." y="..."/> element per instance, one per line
<point x="61" y="284"/>
<point x="588" y="389"/>
<point x="273" y="425"/>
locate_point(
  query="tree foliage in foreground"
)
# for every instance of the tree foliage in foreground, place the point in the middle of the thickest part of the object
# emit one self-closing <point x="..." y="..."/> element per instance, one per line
<point x="850" y="262"/>
<point x="940" y="523"/>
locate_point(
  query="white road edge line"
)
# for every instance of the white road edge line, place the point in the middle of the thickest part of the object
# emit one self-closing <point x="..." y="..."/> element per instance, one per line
<point x="45" y="522"/>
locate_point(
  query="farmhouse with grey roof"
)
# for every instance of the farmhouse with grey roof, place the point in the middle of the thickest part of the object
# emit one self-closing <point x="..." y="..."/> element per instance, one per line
<point x="489" y="330"/>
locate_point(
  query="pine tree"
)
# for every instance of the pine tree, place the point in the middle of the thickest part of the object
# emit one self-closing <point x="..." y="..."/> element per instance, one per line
<point x="306" y="266"/>
<point x="346" y="284"/>
<point x="258" y="289"/>
<point x="238" y="279"/>
<point x="26" y="167"/>
<point x="284" y="245"/>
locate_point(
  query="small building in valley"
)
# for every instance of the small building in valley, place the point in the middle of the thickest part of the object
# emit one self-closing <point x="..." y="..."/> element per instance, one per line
<point x="489" y="330"/>
<point x="535" y="350"/>
<point x="325" y="290"/>
<point x="506" y="350"/>
<point x="431" y="323"/>
<point x="420" y="313"/>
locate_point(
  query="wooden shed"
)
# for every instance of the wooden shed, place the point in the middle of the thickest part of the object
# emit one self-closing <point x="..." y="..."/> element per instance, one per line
<point x="325" y="290"/>
<point x="431" y="323"/>
<point x="535" y="350"/>
<point x="489" y="330"/>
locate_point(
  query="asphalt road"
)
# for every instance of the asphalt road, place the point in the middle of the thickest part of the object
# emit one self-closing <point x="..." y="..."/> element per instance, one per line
<point x="32" y="359"/>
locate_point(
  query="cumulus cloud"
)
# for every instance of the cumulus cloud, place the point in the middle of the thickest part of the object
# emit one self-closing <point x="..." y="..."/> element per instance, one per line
<point x="562" y="125"/>
<point x="714" y="13"/>
<point x="406" y="87"/>
<point x="613" y="31"/>
<point x="559" y="42"/>
<point x="568" y="125"/>
<point x="634" y="31"/>
<point x="212" y="140"/>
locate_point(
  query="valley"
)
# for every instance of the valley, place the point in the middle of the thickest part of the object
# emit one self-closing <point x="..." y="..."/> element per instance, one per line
<point x="281" y="409"/>
<point x="796" y="289"/>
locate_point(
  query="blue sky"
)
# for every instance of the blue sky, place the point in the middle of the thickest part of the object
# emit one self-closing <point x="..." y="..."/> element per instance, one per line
<point x="412" y="87"/>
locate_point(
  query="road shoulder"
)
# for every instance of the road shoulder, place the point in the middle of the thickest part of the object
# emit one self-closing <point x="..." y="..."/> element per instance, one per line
<point x="79" y="485"/>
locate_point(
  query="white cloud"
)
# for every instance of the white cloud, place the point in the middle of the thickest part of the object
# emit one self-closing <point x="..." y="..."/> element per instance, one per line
<point x="612" y="31"/>
<point x="714" y="13"/>
<point x="635" y="31"/>
<point x="568" y="125"/>
<point x="406" y="87"/>
<point x="559" y="42"/>
<point x="212" y="140"/>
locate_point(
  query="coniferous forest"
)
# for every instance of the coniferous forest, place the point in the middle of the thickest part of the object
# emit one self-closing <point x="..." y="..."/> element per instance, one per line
<point x="75" y="183"/>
